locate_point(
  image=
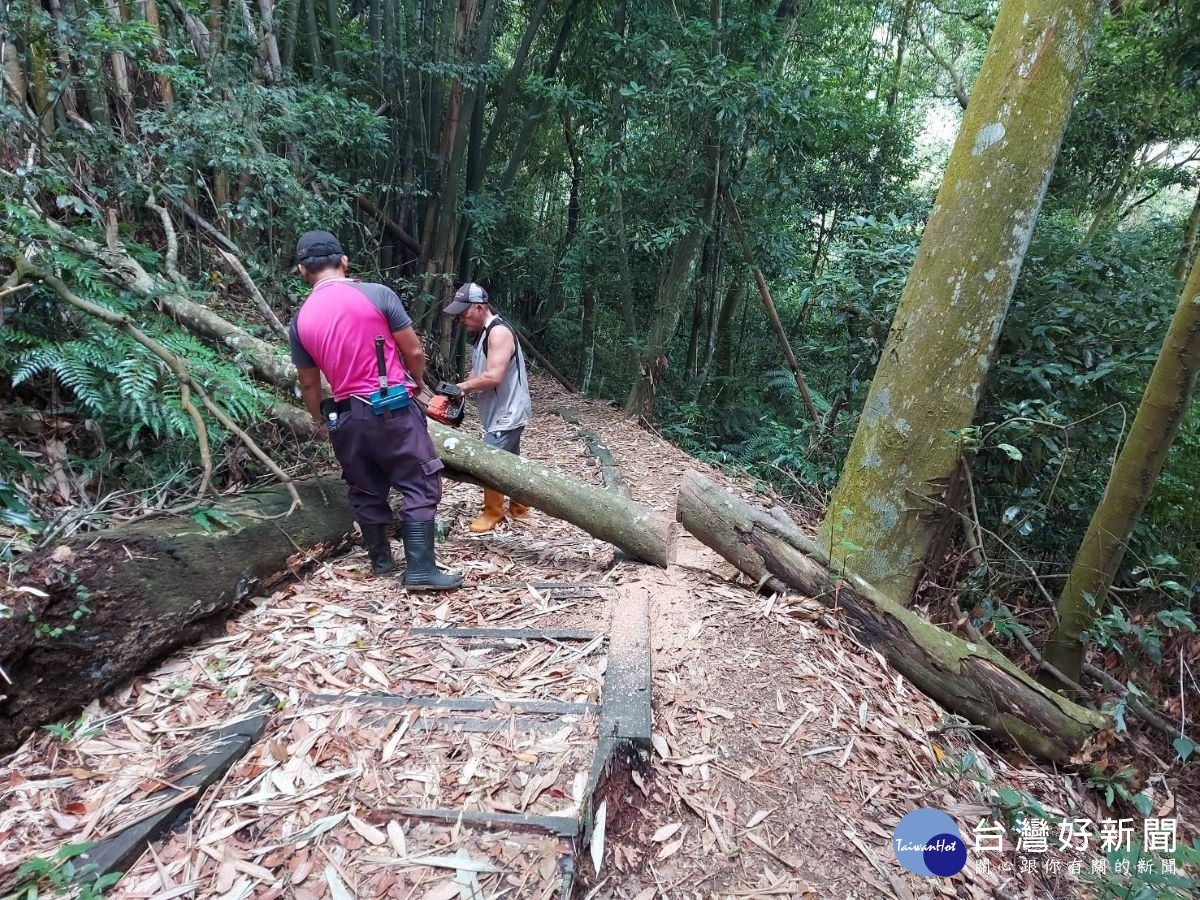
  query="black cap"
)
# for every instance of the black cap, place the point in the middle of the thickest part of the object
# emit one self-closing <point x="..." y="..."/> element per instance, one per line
<point x="317" y="245"/>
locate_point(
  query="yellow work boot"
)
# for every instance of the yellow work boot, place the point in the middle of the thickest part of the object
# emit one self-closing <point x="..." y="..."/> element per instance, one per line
<point x="517" y="509"/>
<point x="493" y="511"/>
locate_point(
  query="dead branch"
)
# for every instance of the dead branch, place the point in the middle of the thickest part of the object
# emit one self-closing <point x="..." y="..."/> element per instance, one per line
<point x="173" y="362"/>
<point x="203" y="224"/>
<point x="391" y="227"/>
<point x="172" y="260"/>
<point x="956" y="82"/>
<point x="772" y="314"/>
<point x="260" y="302"/>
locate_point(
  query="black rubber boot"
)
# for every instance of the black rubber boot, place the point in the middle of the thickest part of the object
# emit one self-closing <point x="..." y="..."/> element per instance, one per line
<point x="422" y="573"/>
<point x="379" y="549"/>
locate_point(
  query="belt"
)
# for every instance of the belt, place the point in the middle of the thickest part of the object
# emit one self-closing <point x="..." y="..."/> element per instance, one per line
<point x="344" y="406"/>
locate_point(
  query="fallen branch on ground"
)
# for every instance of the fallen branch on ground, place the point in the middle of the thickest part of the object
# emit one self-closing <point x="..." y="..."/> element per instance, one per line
<point x="178" y="369"/>
<point x="610" y="475"/>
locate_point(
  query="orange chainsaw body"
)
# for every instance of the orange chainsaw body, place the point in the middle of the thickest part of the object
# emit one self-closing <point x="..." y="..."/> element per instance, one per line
<point x="448" y="405"/>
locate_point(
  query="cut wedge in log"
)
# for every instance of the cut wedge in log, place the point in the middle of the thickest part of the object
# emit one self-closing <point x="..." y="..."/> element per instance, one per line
<point x="971" y="680"/>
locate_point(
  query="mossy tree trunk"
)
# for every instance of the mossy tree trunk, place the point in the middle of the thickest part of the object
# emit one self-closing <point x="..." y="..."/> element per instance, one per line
<point x="1164" y="404"/>
<point x="935" y="364"/>
<point x="1190" y="232"/>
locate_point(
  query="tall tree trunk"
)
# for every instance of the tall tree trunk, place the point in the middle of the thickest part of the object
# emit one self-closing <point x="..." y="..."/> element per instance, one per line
<point x="902" y="26"/>
<point x="764" y="293"/>
<point x="536" y="109"/>
<point x="614" y="131"/>
<point x="66" y="77"/>
<point x="1108" y="200"/>
<point x="1164" y="404"/>
<point x="291" y="25"/>
<point x="375" y="24"/>
<point x="720" y="348"/>
<point x="935" y="363"/>
<point x="120" y="70"/>
<point x="266" y="11"/>
<point x="1188" y="247"/>
<point x="39" y="80"/>
<point x="587" y="338"/>
<point x="335" y="42"/>
<point x="472" y="43"/>
<point x="554" y="297"/>
<point x="500" y="116"/>
<point x="652" y="360"/>
<point x="95" y="97"/>
<point x="691" y="359"/>
<point x="150" y="12"/>
<point x="313" y="31"/>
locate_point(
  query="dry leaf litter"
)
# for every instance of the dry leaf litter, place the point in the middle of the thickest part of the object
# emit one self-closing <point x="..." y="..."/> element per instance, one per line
<point x="784" y="753"/>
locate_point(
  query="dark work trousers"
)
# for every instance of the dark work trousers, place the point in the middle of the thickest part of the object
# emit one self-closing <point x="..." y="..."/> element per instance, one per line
<point x="378" y="453"/>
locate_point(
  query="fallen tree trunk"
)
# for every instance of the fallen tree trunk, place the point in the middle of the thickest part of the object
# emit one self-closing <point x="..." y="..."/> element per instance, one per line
<point x="638" y="530"/>
<point x="634" y="528"/>
<point x="972" y="680"/>
<point x="104" y="606"/>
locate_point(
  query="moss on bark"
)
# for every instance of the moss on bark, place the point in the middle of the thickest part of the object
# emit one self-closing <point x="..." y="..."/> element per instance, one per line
<point x="1164" y="404"/>
<point x="972" y="680"/>
<point x="936" y="359"/>
<point x="140" y="591"/>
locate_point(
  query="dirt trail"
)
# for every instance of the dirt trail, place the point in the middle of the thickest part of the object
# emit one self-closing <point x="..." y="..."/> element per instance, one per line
<point x="784" y="752"/>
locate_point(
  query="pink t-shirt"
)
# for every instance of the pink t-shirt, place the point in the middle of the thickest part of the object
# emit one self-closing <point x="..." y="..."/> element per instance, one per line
<point x="335" y="328"/>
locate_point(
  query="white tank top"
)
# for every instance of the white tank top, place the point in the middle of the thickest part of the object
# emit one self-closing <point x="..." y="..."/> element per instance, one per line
<point x="507" y="405"/>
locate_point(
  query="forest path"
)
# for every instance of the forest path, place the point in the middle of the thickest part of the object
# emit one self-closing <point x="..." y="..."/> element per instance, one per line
<point x="784" y="753"/>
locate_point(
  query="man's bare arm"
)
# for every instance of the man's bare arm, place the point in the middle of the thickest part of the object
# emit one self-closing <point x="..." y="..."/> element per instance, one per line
<point x="310" y="392"/>
<point x="412" y="352"/>
<point x="500" y="350"/>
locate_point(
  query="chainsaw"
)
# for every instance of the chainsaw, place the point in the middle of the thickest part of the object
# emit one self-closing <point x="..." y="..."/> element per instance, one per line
<point x="449" y="404"/>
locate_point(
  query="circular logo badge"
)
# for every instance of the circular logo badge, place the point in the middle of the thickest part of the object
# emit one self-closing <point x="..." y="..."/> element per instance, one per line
<point x="927" y="842"/>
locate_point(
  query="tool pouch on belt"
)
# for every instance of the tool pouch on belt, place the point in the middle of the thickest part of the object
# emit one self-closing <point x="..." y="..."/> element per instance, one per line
<point x="386" y="398"/>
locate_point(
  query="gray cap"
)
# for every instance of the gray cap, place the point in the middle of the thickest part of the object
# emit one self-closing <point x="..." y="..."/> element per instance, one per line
<point x="463" y="298"/>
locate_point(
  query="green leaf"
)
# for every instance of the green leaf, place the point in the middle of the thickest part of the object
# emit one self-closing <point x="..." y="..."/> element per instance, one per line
<point x="1143" y="803"/>
<point x="1013" y="452"/>
<point x="1185" y="747"/>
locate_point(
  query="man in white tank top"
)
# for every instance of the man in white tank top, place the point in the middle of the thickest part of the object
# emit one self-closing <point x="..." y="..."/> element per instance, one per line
<point x="499" y="386"/>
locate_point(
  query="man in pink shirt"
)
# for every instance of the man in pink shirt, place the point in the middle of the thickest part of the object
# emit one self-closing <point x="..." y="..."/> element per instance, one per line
<point x="359" y="336"/>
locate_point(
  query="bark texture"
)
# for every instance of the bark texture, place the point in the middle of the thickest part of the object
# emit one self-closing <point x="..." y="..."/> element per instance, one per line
<point x="1164" y="404"/>
<point x="147" y="588"/>
<point x="971" y="680"/>
<point x="936" y="360"/>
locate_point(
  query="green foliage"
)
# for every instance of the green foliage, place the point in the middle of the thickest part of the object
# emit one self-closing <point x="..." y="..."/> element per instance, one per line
<point x="61" y="874"/>
<point x="1135" y="874"/>
<point x="1082" y="334"/>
